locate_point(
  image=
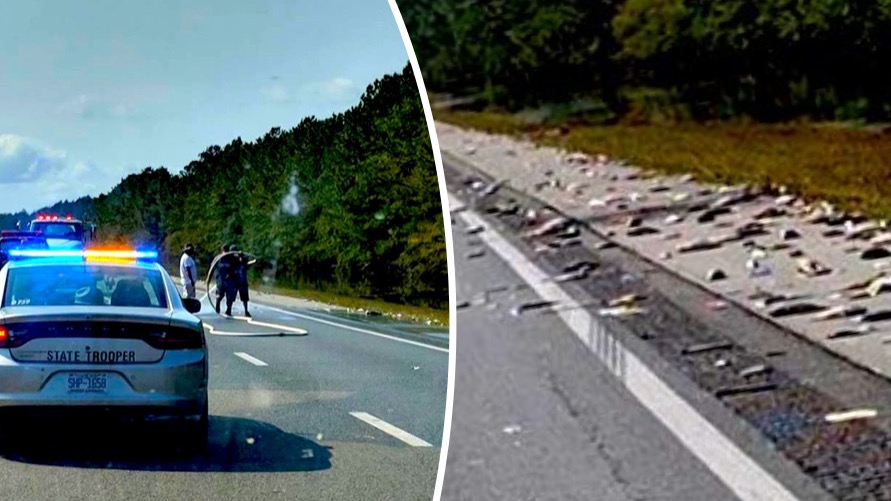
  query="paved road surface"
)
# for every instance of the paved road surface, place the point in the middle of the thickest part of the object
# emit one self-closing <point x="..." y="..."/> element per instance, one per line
<point x="537" y="416"/>
<point x="291" y="418"/>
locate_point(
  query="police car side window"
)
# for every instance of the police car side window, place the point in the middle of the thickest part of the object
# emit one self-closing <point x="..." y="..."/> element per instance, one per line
<point x="153" y="294"/>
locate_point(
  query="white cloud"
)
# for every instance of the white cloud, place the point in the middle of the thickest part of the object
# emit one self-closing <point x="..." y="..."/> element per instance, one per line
<point x="339" y="90"/>
<point x="276" y="93"/>
<point x="23" y="159"/>
<point x="90" y="107"/>
<point x="33" y="175"/>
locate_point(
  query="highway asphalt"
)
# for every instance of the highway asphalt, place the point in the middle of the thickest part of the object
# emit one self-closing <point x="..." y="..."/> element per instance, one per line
<point x="346" y="411"/>
<point x="552" y="403"/>
<point x="535" y="416"/>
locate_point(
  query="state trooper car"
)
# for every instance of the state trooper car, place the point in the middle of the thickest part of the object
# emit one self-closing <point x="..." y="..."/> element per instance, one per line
<point x="100" y="330"/>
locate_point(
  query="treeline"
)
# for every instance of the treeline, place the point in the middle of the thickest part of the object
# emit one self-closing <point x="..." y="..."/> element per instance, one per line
<point x="349" y="204"/>
<point x="83" y="208"/>
<point x="765" y="59"/>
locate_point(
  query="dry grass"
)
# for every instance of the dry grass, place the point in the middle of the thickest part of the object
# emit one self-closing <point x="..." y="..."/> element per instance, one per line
<point x="846" y="166"/>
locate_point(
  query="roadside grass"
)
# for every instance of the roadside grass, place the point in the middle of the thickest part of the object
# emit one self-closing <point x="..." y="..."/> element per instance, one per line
<point x="842" y="164"/>
<point x="409" y="313"/>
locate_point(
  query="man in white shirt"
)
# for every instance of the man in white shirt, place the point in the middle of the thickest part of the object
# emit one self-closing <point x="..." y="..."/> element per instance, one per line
<point x="188" y="270"/>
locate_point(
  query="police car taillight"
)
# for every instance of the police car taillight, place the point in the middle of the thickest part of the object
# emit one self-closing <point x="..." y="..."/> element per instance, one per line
<point x="176" y="338"/>
<point x="4" y="337"/>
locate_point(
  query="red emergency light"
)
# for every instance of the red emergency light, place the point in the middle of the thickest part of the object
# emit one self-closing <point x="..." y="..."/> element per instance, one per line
<point x="54" y="217"/>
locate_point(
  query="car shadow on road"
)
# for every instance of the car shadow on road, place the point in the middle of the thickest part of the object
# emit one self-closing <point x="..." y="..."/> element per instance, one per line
<point x="235" y="445"/>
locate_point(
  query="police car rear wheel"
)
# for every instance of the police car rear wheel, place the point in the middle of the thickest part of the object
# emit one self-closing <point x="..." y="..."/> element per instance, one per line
<point x="196" y="433"/>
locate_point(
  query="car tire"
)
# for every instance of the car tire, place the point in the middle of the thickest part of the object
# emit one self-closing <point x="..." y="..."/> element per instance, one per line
<point x="196" y="433"/>
<point x="7" y="438"/>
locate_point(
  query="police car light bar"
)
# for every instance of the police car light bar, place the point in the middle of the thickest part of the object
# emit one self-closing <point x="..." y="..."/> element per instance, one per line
<point x="90" y="256"/>
<point x="117" y="256"/>
<point x="44" y="253"/>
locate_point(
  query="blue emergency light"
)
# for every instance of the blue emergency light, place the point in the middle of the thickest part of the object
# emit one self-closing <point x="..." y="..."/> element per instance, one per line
<point x="89" y="256"/>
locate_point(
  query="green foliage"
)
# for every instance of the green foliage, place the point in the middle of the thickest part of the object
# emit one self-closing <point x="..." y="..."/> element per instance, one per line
<point x="767" y="59"/>
<point x="370" y="216"/>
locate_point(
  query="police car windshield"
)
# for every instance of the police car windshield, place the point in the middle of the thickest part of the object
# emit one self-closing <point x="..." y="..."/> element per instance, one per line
<point x="59" y="229"/>
<point x="86" y="285"/>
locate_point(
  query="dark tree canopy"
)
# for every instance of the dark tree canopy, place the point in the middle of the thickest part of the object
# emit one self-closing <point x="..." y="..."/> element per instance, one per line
<point x="766" y="59"/>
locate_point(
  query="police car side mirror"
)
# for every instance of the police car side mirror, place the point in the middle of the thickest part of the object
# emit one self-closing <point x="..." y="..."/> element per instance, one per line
<point x="192" y="305"/>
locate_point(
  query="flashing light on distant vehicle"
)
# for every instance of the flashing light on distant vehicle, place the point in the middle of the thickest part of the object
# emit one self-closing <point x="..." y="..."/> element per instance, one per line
<point x="53" y="217"/>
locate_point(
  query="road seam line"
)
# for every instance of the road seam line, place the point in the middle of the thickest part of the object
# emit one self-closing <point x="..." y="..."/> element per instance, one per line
<point x="740" y="473"/>
<point x="391" y="430"/>
<point x="256" y="361"/>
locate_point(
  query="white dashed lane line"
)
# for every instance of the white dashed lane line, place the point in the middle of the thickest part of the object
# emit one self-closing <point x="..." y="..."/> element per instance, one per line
<point x="253" y="360"/>
<point x="391" y="430"/>
<point x="295" y="330"/>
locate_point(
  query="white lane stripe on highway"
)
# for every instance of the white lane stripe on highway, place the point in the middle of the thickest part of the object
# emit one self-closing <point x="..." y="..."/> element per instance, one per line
<point x="295" y="330"/>
<point x="355" y="329"/>
<point x="737" y="471"/>
<point x="217" y="332"/>
<point x="389" y="429"/>
<point x="255" y="361"/>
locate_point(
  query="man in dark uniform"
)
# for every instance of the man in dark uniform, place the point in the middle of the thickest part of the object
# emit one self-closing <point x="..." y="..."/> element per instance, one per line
<point x="225" y="279"/>
<point x="240" y="277"/>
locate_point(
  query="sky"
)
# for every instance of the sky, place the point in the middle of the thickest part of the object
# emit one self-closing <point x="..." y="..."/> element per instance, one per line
<point x="93" y="91"/>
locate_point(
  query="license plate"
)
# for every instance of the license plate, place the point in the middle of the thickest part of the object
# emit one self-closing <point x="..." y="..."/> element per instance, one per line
<point x="87" y="382"/>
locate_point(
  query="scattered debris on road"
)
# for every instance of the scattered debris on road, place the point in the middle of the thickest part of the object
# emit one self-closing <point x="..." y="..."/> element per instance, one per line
<point x="512" y="429"/>
<point x="706" y="347"/>
<point x="531" y="306"/>
<point x="755" y="370"/>
<point x="476" y="254"/>
<point x="620" y="311"/>
<point x="744" y="389"/>
<point x="715" y="274"/>
<point x="839" y="417"/>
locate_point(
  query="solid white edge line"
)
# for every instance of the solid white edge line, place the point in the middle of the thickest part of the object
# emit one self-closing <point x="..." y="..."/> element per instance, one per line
<point x="251" y="321"/>
<point x="450" y="249"/>
<point x="742" y="475"/>
<point x="391" y="430"/>
<point x="256" y="361"/>
<point x="216" y="332"/>
<point x="356" y="329"/>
